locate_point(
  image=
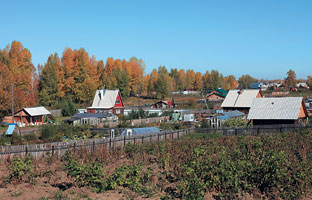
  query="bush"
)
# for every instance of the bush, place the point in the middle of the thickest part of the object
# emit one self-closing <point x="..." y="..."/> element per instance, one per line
<point x="235" y="122"/>
<point x="21" y="170"/>
<point x="88" y="174"/>
<point x="55" y="133"/>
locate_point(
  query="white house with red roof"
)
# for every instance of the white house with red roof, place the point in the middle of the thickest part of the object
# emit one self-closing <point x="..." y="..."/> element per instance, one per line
<point x="107" y="101"/>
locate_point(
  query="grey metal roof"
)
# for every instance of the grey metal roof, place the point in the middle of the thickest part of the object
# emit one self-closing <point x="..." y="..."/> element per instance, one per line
<point x="104" y="98"/>
<point x="36" y="111"/>
<point x="234" y="113"/>
<point x="286" y="108"/>
<point x="237" y="99"/>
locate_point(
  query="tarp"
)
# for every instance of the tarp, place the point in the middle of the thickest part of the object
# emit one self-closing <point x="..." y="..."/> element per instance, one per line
<point x="10" y="129"/>
<point x="141" y="131"/>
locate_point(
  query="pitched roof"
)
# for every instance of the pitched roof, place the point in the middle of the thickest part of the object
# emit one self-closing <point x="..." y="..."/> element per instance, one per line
<point x="36" y="111"/>
<point x="104" y="98"/>
<point x="221" y="91"/>
<point x="217" y="93"/>
<point x="286" y="108"/>
<point x="240" y="100"/>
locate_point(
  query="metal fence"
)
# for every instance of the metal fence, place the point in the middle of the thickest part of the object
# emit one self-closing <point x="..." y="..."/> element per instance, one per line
<point x="91" y="145"/>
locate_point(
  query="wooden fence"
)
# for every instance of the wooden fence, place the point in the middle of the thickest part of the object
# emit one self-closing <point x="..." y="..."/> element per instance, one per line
<point x="59" y="148"/>
<point x="258" y="130"/>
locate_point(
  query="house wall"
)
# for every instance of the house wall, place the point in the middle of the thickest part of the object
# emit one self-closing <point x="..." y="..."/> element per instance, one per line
<point x="119" y="104"/>
<point x="116" y="111"/>
<point x="272" y="122"/>
<point x="215" y="97"/>
<point x="302" y="113"/>
<point x="244" y="110"/>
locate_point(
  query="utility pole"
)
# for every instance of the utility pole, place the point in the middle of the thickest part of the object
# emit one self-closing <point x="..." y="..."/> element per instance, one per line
<point x="12" y="102"/>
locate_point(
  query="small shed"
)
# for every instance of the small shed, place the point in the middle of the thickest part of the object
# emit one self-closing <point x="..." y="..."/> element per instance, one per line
<point x="140" y="131"/>
<point x="163" y="104"/>
<point x="32" y="116"/>
<point x="285" y="110"/>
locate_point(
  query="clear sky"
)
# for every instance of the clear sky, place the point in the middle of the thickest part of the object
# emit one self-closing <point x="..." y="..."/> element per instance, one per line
<point x="263" y="38"/>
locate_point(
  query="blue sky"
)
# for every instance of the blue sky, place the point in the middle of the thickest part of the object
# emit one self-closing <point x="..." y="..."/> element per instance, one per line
<point x="262" y="38"/>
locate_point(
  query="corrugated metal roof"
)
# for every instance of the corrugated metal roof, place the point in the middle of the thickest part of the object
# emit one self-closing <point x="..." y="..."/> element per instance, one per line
<point x="243" y="100"/>
<point x="104" y="98"/>
<point x="286" y="108"/>
<point x="36" y="111"/>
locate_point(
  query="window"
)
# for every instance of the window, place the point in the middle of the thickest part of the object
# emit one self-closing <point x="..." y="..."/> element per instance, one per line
<point x="118" y="111"/>
<point x="117" y="101"/>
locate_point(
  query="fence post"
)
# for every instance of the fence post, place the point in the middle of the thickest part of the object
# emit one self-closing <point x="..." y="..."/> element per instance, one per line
<point x="134" y="140"/>
<point x="110" y="143"/>
<point x="178" y="134"/>
<point x="142" y="139"/>
<point x="93" y="146"/>
<point x="26" y="151"/>
<point x="52" y="150"/>
<point x="74" y="147"/>
<point x="171" y="135"/>
<point x="124" y="141"/>
<point x="158" y="138"/>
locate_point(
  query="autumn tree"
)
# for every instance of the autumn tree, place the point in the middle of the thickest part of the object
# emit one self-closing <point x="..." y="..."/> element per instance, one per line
<point x="190" y="79"/>
<point x="290" y="80"/>
<point x="198" y="81"/>
<point x="245" y="81"/>
<point x="230" y="82"/>
<point x="207" y="83"/>
<point x="163" y="86"/>
<point x="152" y="82"/>
<point x="17" y="69"/>
<point x="174" y="78"/>
<point x="309" y="82"/>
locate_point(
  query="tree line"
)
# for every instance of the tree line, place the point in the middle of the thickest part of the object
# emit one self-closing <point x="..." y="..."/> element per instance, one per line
<point x="75" y="76"/>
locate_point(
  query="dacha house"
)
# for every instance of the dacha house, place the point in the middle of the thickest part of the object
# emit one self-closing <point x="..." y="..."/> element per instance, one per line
<point x="107" y="101"/>
<point x="33" y="116"/>
<point x="217" y="95"/>
<point x="272" y="111"/>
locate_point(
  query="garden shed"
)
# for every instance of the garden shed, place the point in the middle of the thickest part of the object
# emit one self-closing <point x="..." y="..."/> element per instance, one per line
<point x="32" y="116"/>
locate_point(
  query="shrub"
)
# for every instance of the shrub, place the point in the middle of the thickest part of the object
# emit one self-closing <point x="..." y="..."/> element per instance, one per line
<point x="20" y="170"/>
<point x="235" y="122"/>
